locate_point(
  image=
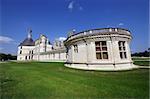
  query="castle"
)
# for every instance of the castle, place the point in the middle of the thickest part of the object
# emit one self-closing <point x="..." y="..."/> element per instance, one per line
<point x="94" y="49"/>
<point x="41" y="49"/>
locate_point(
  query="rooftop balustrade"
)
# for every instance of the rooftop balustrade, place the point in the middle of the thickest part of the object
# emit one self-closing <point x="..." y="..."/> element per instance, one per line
<point x="100" y="31"/>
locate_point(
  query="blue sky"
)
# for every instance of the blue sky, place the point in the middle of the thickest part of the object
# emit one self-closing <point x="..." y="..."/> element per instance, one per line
<point x="55" y="18"/>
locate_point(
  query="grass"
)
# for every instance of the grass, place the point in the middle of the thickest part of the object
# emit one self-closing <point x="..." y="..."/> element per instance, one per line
<point x="35" y="80"/>
<point x="141" y="58"/>
<point x="141" y="61"/>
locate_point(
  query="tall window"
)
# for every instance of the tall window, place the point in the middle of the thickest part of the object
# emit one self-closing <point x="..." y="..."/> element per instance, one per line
<point x="20" y="52"/>
<point x="26" y="58"/>
<point x="32" y="51"/>
<point x="59" y="55"/>
<point x="122" y="49"/>
<point x="76" y="48"/>
<point x="101" y="50"/>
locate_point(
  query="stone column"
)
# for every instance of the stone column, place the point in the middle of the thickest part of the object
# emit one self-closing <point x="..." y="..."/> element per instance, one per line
<point x="110" y="51"/>
<point x="92" y="51"/>
<point x="115" y="50"/>
<point x="128" y="50"/>
<point x="87" y="51"/>
<point x="72" y="53"/>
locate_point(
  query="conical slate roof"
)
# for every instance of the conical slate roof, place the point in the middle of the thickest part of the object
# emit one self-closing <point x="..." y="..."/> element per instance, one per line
<point x="27" y="42"/>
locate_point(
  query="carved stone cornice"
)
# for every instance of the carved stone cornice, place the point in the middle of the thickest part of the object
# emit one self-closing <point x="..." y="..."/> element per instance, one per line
<point x="98" y="34"/>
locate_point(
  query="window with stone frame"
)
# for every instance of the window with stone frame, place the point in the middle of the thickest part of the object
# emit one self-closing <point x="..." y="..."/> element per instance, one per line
<point x="20" y="52"/>
<point x="32" y="51"/>
<point x="59" y="55"/>
<point x="101" y="50"/>
<point x="76" y="48"/>
<point x="25" y="57"/>
<point x="32" y="57"/>
<point x="122" y="49"/>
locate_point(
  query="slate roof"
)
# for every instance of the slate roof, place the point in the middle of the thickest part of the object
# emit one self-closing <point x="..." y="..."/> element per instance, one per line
<point x="27" y="42"/>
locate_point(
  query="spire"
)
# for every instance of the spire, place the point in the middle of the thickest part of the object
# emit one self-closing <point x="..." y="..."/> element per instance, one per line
<point x="29" y="33"/>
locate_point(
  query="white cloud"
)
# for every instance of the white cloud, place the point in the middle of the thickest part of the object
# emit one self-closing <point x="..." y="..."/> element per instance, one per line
<point x="5" y="40"/>
<point x="120" y="24"/>
<point x="61" y="38"/>
<point x="71" y="5"/>
<point x="80" y="8"/>
<point x="74" y="5"/>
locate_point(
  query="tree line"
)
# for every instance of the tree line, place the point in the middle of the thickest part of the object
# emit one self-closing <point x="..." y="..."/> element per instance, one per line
<point x="5" y="57"/>
<point x="146" y="53"/>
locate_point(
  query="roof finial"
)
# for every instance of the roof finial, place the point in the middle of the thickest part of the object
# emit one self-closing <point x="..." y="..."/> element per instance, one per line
<point x="74" y="30"/>
<point x="29" y="33"/>
<point x="70" y="33"/>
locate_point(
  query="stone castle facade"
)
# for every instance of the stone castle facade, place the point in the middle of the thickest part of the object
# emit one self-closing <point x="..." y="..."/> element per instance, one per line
<point x="41" y="49"/>
<point x="94" y="49"/>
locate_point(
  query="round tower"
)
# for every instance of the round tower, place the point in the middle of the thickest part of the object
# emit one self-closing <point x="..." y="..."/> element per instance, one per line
<point x="100" y="49"/>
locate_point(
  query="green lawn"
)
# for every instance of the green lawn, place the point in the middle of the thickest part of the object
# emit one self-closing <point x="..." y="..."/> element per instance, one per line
<point x="141" y="61"/>
<point x="140" y="58"/>
<point x="35" y="80"/>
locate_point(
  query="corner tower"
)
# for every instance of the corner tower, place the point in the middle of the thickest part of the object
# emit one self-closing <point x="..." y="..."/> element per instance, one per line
<point x="100" y="49"/>
<point x="25" y="48"/>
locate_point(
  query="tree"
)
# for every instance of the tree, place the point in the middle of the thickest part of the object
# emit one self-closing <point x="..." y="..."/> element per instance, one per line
<point x="142" y="54"/>
<point x="4" y="57"/>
